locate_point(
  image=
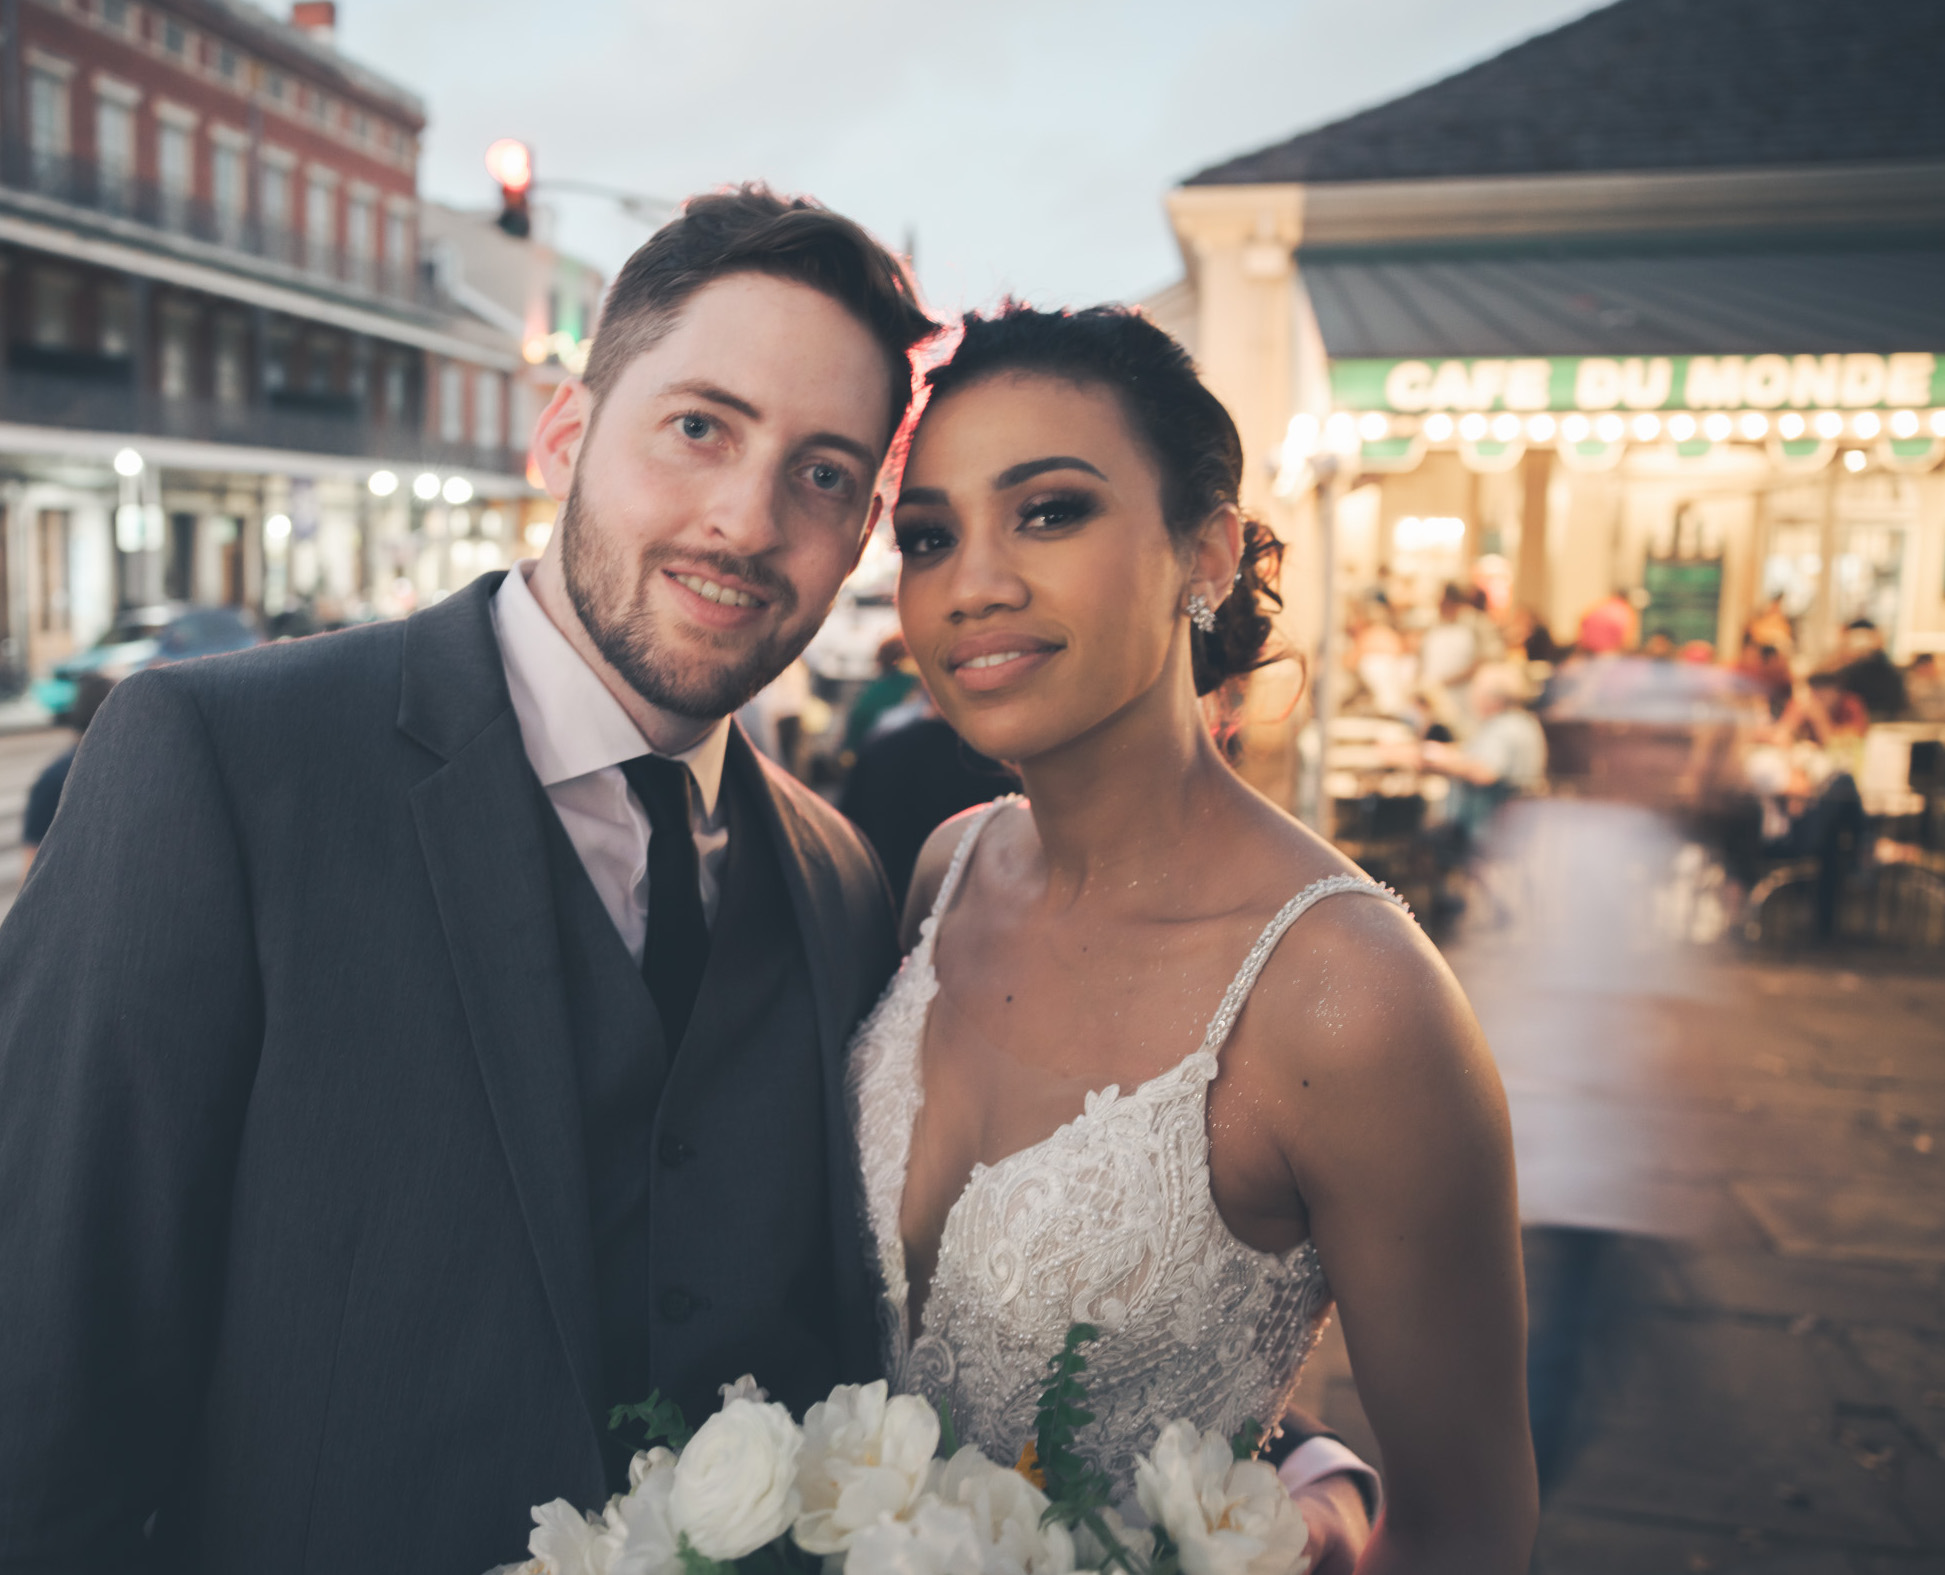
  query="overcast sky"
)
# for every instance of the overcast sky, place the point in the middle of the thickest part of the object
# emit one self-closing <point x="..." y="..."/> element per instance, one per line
<point x="1026" y="144"/>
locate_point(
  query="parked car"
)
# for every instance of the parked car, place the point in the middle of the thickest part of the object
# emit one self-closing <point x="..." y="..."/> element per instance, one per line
<point x="150" y="637"/>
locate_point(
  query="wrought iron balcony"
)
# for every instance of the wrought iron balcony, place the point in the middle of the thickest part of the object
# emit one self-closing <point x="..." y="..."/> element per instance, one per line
<point x="113" y="192"/>
<point x="106" y="400"/>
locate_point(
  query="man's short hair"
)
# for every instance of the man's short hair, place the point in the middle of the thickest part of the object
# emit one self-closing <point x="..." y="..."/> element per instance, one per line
<point x="750" y="229"/>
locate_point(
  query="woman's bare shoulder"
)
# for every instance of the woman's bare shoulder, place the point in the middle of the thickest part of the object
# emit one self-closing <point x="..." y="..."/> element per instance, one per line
<point x="929" y="873"/>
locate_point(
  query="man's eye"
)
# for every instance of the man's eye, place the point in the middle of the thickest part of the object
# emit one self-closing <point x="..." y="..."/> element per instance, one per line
<point x="922" y="541"/>
<point x="828" y="478"/>
<point x="697" y="427"/>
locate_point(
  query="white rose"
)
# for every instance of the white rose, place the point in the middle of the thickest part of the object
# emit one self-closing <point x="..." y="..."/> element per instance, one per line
<point x="1227" y="1516"/>
<point x="936" y="1539"/>
<point x="640" y="1537"/>
<point x="745" y="1388"/>
<point x="736" y="1482"/>
<point x="566" y="1542"/>
<point x="866" y="1457"/>
<point x="1007" y="1513"/>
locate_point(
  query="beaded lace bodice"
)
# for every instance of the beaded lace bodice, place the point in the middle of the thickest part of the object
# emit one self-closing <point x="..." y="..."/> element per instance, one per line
<point x="1108" y="1221"/>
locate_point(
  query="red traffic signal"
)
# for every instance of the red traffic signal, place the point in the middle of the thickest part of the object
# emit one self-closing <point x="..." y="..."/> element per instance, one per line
<point x="511" y="163"/>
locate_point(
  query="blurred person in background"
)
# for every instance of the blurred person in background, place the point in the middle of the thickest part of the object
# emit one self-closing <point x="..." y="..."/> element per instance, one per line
<point x="44" y="797"/>
<point x="1772" y="627"/>
<point x="1766" y="669"/>
<point x="1504" y="756"/>
<point x="896" y="680"/>
<point x="910" y="779"/>
<point x="1924" y="682"/>
<point x="1447" y="654"/>
<point x="1611" y="625"/>
<point x="775" y="716"/>
<point x="1864" y="668"/>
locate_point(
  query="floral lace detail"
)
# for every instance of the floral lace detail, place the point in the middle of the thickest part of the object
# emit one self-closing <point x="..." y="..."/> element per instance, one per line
<point x="1109" y="1221"/>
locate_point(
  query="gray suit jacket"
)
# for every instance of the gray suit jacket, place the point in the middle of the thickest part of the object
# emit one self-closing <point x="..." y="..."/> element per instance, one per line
<point x="293" y="1208"/>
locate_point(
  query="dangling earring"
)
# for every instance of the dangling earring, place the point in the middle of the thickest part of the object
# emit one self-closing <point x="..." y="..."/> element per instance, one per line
<point x="1201" y="614"/>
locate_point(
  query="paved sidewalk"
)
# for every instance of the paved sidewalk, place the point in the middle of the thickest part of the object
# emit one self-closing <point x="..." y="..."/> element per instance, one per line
<point x="1733" y="1177"/>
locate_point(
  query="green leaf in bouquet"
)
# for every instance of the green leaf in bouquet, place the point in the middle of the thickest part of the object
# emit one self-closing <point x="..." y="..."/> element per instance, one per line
<point x="661" y="1422"/>
<point x="1075" y="1488"/>
<point x="1247" y="1439"/>
<point x="948" y="1434"/>
<point x="694" y="1563"/>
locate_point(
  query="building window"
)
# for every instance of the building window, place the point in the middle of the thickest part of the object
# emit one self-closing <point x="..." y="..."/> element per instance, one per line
<point x="47" y="126"/>
<point x="320" y="221"/>
<point x="274" y="85"/>
<point x="226" y="63"/>
<point x="116" y="311"/>
<point x="175" y="38"/>
<point x="452" y="403"/>
<point x="175" y="171"/>
<point x="273" y="195"/>
<point x="226" y="189"/>
<point x="115" y="14"/>
<point x="115" y="152"/>
<point x="392" y="389"/>
<point x="232" y="362"/>
<point x="486" y="409"/>
<point x="175" y="368"/>
<point x="51" y="606"/>
<point x="51" y="308"/>
<point x="398" y="251"/>
<point x="358" y="237"/>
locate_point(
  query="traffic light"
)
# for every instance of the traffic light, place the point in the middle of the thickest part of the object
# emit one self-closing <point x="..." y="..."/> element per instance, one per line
<point x="511" y="163"/>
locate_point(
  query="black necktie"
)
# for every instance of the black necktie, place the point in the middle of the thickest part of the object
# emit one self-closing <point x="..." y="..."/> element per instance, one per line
<point x="676" y="948"/>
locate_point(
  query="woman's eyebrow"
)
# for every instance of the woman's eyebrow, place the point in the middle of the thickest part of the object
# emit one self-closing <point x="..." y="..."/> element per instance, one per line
<point x="1013" y="475"/>
<point x="929" y="495"/>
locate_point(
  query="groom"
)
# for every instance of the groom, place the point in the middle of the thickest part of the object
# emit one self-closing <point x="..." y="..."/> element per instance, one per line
<point x="415" y="1041"/>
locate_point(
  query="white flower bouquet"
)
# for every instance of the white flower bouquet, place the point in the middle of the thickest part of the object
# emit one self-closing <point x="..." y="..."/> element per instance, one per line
<point x="875" y="1484"/>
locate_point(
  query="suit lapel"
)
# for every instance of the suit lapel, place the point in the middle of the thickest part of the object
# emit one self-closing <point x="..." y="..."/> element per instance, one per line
<point x="816" y="897"/>
<point x="480" y="825"/>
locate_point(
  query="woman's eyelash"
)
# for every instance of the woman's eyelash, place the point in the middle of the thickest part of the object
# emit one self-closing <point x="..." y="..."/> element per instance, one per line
<point x="1061" y="508"/>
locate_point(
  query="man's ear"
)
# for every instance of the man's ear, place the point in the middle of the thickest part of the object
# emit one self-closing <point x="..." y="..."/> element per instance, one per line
<point x="1218" y="554"/>
<point x="559" y="434"/>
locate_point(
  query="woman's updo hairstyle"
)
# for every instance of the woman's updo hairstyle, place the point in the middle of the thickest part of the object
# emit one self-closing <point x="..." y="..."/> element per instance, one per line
<point x="1184" y="427"/>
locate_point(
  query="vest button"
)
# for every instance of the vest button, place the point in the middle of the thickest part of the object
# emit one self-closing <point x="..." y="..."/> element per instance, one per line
<point x="676" y="1153"/>
<point x="677" y="1304"/>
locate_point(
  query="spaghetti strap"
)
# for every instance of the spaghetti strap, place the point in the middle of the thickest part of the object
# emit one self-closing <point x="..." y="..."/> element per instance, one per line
<point x="961" y="856"/>
<point x="1237" y="995"/>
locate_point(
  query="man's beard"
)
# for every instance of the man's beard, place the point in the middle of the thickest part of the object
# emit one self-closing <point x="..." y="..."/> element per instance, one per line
<point x="610" y="592"/>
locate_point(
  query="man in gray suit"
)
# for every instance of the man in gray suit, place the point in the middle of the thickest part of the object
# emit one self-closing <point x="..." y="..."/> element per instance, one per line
<point x="418" y="1040"/>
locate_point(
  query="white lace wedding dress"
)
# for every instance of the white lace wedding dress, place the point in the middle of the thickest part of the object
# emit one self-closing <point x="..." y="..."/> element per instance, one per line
<point x="1108" y="1221"/>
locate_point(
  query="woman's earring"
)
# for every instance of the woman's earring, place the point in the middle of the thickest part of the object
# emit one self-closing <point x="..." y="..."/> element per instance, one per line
<point x="1201" y="614"/>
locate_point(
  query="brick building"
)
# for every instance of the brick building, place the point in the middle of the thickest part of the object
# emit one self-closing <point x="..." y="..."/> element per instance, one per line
<point x="226" y="375"/>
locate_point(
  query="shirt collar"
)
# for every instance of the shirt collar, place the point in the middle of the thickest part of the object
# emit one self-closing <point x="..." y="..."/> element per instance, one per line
<point x="570" y="723"/>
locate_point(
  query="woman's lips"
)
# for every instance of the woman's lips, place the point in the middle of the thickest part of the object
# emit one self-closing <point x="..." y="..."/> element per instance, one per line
<point x="987" y="664"/>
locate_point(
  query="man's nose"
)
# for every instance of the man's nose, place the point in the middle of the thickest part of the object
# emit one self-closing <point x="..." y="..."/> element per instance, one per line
<point x="745" y="515"/>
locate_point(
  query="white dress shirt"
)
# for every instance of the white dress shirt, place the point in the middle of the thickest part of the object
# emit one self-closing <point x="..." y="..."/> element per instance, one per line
<point x="576" y="735"/>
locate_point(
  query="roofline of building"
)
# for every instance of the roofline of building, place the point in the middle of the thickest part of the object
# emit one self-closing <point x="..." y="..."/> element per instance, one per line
<point x="298" y="51"/>
<point x="194" y="455"/>
<point x="176" y="260"/>
<point x="1804" y="200"/>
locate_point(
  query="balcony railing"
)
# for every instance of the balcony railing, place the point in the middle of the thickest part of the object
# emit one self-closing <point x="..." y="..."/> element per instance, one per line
<point x="110" y="190"/>
<point x="332" y="424"/>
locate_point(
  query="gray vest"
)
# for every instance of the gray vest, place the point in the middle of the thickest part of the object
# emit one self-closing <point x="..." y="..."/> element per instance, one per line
<point x="707" y="1169"/>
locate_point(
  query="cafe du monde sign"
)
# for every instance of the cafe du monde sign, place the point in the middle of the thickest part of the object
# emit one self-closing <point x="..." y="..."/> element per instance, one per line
<point x="1855" y="381"/>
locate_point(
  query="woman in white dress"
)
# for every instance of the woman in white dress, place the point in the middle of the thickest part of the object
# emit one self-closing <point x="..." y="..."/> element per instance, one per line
<point x="1161" y="1059"/>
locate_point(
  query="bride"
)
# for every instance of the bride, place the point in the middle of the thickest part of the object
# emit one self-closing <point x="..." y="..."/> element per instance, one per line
<point x="1160" y="1059"/>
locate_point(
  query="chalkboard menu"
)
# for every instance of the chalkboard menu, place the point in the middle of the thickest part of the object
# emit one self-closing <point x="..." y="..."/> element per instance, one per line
<point x="1684" y="599"/>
